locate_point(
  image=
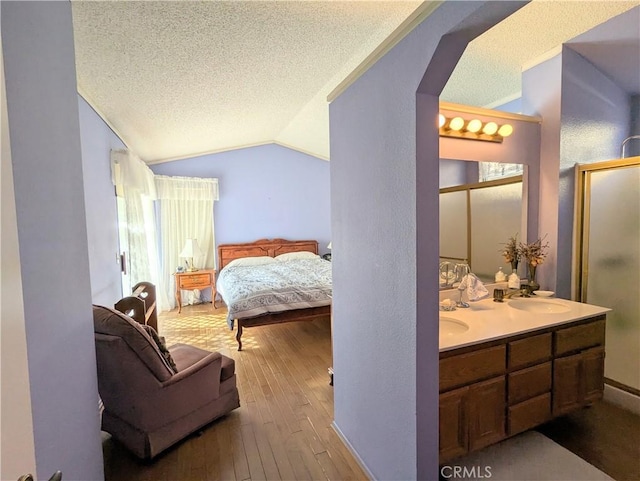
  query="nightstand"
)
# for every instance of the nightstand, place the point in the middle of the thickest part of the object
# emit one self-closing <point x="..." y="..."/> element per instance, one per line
<point x="200" y="279"/>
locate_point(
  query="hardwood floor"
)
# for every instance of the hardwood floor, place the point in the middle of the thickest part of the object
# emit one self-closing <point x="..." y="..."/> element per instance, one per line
<point x="282" y="429"/>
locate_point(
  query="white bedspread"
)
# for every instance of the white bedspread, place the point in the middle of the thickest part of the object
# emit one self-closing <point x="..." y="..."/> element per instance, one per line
<point x="249" y="291"/>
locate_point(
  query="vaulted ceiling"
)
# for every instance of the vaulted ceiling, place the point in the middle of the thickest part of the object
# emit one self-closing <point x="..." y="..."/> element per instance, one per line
<point x="176" y="79"/>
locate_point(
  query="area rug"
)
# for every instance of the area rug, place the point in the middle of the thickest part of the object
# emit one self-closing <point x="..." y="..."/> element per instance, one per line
<point x="527" y="457"/>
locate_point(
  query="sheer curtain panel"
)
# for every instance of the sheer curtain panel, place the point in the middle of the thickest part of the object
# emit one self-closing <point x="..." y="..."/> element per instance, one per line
<point x="186" y="211"/>
<point x="134" y="183"/>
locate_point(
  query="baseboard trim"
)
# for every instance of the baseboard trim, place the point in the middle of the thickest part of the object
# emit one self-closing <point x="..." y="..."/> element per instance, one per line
<point x="623" y="387"/>
<point x="622" y="398"/>
<point x="355" y="454"/>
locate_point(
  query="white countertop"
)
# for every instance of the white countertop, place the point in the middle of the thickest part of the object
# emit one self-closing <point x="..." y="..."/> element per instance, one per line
<point x="489" y="320"/>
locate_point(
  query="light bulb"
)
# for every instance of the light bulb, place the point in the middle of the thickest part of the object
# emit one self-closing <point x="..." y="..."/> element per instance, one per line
<point x="505" y="130"/>
<point x="456" y="123"/>
<point x="441" y="120"/>
<point x="490" y="128"/>
<point x="474" y="126"/>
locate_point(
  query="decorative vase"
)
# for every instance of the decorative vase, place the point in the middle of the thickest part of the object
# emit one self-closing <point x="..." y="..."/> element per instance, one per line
<point x="533" y="284"/>
<point x="514" y="266"/>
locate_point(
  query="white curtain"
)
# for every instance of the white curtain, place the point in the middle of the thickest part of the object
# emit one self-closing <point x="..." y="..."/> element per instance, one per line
<point x="134" y="182"/>
<point x="186" y="211"/>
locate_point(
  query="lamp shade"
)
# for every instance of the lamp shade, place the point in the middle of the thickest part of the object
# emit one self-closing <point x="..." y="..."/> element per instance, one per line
<point x="191" y="249"/>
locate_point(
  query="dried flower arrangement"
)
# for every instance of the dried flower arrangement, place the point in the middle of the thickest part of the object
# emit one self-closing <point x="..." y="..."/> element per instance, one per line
<point x="511" y="251"/>
<point x="535" y="252"/>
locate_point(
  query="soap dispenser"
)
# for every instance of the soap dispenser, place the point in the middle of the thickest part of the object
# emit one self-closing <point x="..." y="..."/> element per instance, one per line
<point x="514" y="280"/>
<point x="500" y="276"/>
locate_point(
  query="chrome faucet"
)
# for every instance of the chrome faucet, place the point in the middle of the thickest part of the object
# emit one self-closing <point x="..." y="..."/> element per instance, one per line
<point x="460" y="302"/>
<point x="524" y="291"/>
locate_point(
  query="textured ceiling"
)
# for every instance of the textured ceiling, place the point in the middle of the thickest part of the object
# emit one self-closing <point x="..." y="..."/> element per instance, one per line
<point x="490" y="70"/>
<point x="180" y="78"/>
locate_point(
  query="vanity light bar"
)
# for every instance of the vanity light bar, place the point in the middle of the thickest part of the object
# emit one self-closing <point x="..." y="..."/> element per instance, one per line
<point x="473" y="129"/>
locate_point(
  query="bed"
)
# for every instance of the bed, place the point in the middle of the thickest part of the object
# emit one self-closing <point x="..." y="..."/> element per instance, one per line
<point x="293" y="287"/>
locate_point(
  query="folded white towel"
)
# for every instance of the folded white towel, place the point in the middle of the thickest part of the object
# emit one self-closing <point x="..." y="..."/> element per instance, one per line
<point x="474" y="287"/>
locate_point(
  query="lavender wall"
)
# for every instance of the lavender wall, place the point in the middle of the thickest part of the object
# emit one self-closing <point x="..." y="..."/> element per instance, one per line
<point x="384" y="206"/>
<point x="586" y="117"/>
<point x="265" y="192"/>
<point x="595" y="119"/>
<point x="42" y="105"/>
<point x="614" y="48"/>
<point x="457" y="172"/>
<point x="100" y="205"/>
<point x="541" y="96"/>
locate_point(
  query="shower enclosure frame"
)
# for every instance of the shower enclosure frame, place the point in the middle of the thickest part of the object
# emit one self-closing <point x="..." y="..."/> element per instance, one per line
<point x="582" y="230"/>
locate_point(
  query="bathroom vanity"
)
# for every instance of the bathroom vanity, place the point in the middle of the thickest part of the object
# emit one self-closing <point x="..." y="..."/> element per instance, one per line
<point x="508" y="367"/>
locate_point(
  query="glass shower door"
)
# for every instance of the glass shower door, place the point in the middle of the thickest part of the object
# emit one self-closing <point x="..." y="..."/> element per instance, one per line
<point x="496" y="214"/>
<point x="610" y="261"/>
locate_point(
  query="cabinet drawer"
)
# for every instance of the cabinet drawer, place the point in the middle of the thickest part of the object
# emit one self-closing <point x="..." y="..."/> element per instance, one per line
<point x="530" y="382"/>
<point x="195" y="281"/>
<point x="579" y="337"/>
<point x="472" y="366"/>
<point x="529" y="351"/>
<point x="529" y="414"/>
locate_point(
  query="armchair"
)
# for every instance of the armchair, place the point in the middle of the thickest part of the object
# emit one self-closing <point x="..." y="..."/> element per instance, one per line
<point x="148" y="406"/>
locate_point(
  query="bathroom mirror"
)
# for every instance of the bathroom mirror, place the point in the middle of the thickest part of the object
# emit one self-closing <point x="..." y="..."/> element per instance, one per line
<point x="481" y="206"/>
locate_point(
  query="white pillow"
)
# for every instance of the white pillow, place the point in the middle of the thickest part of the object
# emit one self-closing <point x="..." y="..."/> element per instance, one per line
<point x="251" y="261"/>
<point x="296" y="255"/>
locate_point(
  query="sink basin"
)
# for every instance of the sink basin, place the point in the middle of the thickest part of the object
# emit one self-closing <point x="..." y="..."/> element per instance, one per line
<point x="538" y="306"/>
<point x="452" y="327"/>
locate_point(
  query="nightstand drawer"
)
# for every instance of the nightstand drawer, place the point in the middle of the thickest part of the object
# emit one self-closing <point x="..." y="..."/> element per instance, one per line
<point x="195" y="281"/>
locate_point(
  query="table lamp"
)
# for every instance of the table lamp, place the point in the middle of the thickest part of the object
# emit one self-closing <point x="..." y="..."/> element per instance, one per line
<point x="189" y="251"/>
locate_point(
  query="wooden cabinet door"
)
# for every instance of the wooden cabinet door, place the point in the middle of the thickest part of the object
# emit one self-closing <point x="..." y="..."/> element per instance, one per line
<point x="487" y="412"/>
<point x="578" y="380"/>
<point x="453" y="437"/>
<point x="567" y="384"/>
<point x="593" y="374"/>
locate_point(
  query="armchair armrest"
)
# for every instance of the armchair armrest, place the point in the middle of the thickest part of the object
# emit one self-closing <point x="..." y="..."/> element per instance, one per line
<point x="214" y="358"/>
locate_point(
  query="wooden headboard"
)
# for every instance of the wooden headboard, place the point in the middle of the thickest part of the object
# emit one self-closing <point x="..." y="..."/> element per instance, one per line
<point x="262" y="247"/>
